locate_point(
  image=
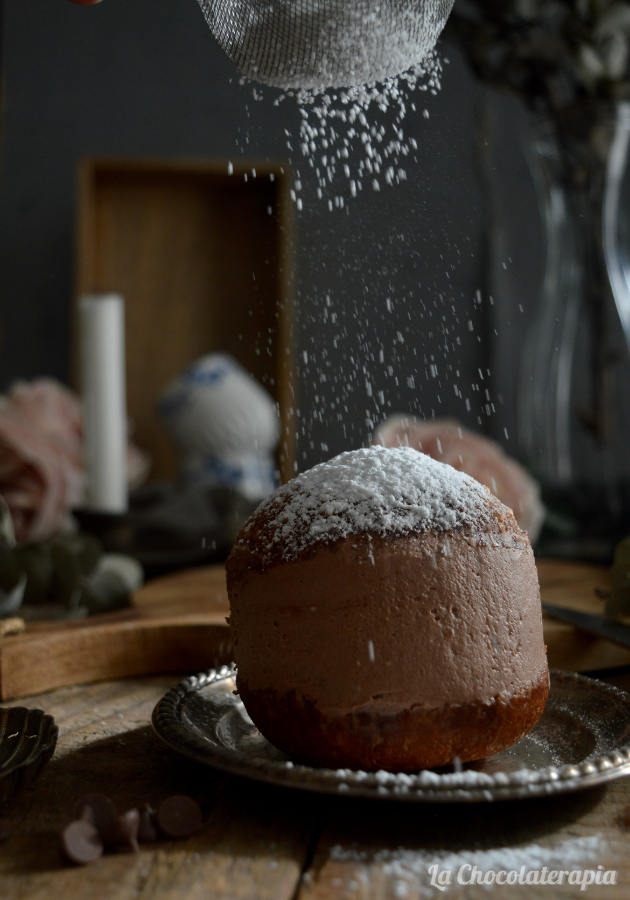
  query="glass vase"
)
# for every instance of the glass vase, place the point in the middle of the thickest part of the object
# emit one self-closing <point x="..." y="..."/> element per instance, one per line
<point x="573" y="398"/>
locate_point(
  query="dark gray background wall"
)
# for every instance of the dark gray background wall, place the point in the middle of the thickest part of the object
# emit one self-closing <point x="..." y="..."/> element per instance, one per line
<point x="145" y="78"/>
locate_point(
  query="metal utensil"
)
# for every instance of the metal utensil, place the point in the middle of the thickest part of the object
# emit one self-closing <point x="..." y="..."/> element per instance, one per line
<point x="617" y="632"/>
<point x="319" y="44"/>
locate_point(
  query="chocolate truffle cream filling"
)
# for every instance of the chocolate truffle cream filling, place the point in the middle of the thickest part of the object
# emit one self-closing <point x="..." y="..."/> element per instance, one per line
<point x="384" y="623"/>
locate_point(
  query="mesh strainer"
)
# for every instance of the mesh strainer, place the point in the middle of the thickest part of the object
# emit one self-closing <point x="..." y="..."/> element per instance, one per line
<point x="317" y="44"/>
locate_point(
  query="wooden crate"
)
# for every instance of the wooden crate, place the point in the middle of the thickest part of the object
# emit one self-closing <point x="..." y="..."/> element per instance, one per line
<point x="203" y="259"/>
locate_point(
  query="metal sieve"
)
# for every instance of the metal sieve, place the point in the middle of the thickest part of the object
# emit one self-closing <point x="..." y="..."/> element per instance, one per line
<point x="319" y="44"/>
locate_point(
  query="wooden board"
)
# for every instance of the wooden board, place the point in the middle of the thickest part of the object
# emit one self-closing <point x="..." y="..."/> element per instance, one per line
<point x="178" y="625"/>
<point x="204" y="262"/>
<point x="573" y="585"/>
<point x="259" y="842"/>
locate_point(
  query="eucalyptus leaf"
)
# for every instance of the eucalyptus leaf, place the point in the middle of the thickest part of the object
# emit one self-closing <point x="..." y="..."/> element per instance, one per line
<point x="11" y="601"/>
<point x="7" y="532"/>
<point x="86" y="548"/>
<point x="35" y="560"/>
<point x="10" y="569"/>
<point x="64" y="587"/>
<point x="106" y="594"/>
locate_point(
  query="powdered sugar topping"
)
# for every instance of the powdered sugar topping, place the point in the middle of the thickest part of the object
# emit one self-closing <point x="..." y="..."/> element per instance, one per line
<point x="378" y="490"/>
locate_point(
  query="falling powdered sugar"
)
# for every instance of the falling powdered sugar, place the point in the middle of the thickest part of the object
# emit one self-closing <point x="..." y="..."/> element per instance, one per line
<point x="371" y="54"/>
<point x="355" y="137"/>
<point x="360" y="89"/>
<point x="376" y="490"/>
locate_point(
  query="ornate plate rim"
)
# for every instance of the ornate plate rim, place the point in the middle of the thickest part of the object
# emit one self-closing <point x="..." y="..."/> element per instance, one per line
<point x="422" y="787"/>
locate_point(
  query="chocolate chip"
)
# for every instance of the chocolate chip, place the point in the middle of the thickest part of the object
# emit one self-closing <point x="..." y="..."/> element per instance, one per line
<point x="81" y="842"/>
<point x="127" y="838"/>
<point x="179" y="816"/>
<point x="147" y="829"/>
<point x="88" y="816"/>
<point x="105" y="815"/>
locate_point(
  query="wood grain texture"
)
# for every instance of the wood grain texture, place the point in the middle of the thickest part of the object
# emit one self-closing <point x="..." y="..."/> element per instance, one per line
<point x="205" y="585"/>
<point x="178" y="624"/>
<point x="574" y="585"/>
<point x="370" y="854"/>
<point x="204" y="262"/>
<point x="253" y="844"/>
<point x="264" y="843"/>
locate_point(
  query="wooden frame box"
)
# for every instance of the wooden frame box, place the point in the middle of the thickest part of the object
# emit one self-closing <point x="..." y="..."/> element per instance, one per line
<point x="203" y="258"/>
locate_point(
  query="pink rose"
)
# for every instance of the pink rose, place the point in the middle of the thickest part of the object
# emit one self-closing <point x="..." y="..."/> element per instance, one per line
<point x="447" y="441"/>
<point x="42" y="477"/>
<point x="41" y="472"/>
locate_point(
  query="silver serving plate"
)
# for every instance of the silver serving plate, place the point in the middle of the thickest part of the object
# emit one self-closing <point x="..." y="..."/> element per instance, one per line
<point x="581" y="740"/>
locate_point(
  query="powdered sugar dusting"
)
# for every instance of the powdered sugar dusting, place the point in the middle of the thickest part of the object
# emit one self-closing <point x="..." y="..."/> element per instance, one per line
<point x="410" y="868"/>
<point x="571" y="852"/>
<point x="378" y="490"/>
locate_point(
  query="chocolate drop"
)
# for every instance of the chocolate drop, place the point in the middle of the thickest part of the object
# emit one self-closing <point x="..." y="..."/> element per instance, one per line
<point x="179" y="816"/>
<point x="81" y="842"/>
<point x="127" y="826"/>
<point x="105" y="816"/>
<point x="147" y="830"/>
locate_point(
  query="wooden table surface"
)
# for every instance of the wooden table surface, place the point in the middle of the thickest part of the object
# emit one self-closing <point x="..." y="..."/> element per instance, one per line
<point x="272" y="843"/>
<point x="178" y="622"/>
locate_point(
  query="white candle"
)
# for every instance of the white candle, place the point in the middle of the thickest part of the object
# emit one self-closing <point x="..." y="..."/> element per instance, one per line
<point x="102" y="330"/>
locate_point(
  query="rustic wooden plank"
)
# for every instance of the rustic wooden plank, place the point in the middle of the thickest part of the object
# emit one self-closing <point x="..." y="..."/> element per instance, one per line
<point x="203" y="585"/>
<point x="253" y="845"/>
<point x="573" y="584"/>
<point x="256" y="838"/>
<point x="368" y="853"/>
<point x="129" y="645"/>
<point x="177" y="624"/>
<point x="564" y="573"/>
